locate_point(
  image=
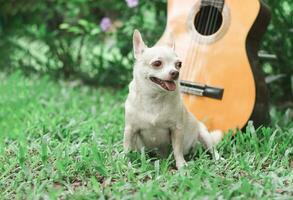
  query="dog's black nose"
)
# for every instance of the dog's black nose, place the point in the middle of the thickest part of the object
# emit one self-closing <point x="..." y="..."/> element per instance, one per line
<point x="174" y="74"/>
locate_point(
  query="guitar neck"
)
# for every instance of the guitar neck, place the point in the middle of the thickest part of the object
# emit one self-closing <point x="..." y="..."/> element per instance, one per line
<point x="216" y="3"/>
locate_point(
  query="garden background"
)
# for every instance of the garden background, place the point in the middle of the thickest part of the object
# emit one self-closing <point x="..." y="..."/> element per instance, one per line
<point x="64" y="70"/>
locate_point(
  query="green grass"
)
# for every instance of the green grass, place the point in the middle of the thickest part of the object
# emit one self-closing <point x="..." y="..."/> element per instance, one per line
<point x="63" y="140"/>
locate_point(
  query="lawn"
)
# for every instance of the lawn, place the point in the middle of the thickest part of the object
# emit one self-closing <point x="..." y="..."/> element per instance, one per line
<point x="64" y="140"/>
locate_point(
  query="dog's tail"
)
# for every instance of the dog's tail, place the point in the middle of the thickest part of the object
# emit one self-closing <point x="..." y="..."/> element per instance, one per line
<point x="209" y="138"/>
<point x="217" y="136"/>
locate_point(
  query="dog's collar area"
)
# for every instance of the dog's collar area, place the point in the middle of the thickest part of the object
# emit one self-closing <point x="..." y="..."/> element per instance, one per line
<point x="165" y="84"/>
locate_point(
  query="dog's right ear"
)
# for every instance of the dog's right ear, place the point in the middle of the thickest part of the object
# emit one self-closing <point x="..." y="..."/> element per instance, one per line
<point x="138" y="44"/>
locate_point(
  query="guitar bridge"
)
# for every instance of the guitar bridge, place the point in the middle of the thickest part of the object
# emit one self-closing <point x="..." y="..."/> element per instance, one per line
<point x="201" y="90"/>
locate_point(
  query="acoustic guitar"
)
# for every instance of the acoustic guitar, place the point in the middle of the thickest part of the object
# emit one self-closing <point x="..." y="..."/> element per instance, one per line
<point x="217" y="40"/>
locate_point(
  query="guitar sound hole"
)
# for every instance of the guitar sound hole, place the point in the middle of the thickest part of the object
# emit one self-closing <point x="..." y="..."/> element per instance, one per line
<point x="208" y="20"/>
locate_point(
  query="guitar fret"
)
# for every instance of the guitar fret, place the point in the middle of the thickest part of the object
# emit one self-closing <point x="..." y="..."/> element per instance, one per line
<point x="218" y="5"/>
<point x="210" y="2"/>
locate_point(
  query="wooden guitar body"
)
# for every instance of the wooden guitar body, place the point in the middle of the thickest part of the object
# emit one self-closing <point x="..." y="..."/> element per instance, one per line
<point x="225" y="59"/>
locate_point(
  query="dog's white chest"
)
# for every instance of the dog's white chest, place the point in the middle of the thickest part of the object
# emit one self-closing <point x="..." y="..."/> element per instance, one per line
<point x="153" y="115"/>
<point x="155" y="137"/>
<point x="154" y="125"/>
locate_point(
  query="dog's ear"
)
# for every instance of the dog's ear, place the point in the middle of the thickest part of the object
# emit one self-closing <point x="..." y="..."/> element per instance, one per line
<point x="170" y="42"/>
<point x="138" y="44"/>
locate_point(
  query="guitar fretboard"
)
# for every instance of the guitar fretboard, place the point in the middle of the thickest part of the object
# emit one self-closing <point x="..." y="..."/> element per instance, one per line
<point x="215" y="3"/>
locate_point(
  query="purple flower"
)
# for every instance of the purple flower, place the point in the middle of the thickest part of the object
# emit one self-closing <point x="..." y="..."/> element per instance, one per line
<point x="132" y="3"/>
<point x="105" y="23"/>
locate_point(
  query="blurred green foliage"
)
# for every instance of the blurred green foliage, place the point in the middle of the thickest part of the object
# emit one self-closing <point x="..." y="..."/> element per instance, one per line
<point x="279" y="41"/>
<point x="64" y="38"/>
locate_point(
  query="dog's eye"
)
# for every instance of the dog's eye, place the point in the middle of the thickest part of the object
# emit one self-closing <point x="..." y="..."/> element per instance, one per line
<point x="157" y="63"/>
<point x="178" y="65"/>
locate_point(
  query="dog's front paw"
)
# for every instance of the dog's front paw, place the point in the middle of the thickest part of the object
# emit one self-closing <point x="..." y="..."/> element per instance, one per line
<point x="181" y="163"/>
<point x="126" y="147"/>
<point x="216" y="155"/>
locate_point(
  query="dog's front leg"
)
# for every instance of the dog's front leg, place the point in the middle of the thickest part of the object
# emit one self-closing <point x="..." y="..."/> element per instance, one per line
<point x="129" y="138"/>
<point x="177" y="144"/>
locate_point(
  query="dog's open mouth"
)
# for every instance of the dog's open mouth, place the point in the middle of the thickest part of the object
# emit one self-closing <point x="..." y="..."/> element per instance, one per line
<point x="167" y="85"/>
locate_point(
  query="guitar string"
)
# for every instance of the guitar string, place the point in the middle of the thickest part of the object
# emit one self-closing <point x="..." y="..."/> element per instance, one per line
<point x="195" y="50"/>
<point x="221" y="4"/>
<point x="188" y="60"/>
<point x="199" y="62"/>
<point x="194" y="41"/>
<point x="214" y="20"/>
<point x="211" y="25"/>
<point x="201" y="27"/>
<point x="205" y="46"/>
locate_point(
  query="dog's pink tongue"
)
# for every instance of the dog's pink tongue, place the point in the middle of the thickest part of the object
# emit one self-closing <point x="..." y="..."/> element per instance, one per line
<point x="170" y="85"/>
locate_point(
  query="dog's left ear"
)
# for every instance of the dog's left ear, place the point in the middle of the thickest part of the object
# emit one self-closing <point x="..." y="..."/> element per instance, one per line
<point x="170" y="42"/>
<point x="138" y="44"/>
